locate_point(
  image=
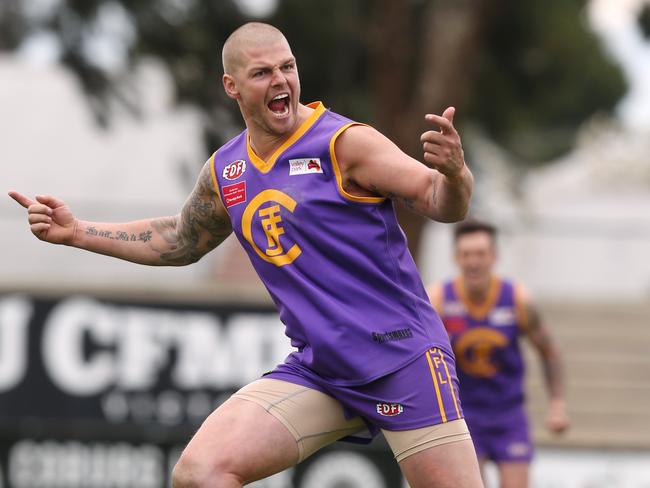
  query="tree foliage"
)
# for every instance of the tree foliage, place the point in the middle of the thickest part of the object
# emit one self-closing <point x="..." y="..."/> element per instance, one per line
<point x="541" y="73"/>
<point x="527" y="72"/>
<point x="644" y="20"/>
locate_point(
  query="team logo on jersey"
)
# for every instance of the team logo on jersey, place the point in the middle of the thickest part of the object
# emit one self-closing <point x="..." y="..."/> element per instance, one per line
<point x="265" y="211"/>
<point x="475" y="350"/>
<point x="234" y="170"/>
<point x="502" y="316"/>
<point x="234" y="194"/>
<point x="389" y="409"/>
<point x="304" y="166"/>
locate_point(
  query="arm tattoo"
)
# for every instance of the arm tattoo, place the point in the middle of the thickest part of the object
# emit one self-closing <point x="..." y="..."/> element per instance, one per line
<point x="198" y="229"/>
<point x="407" y="202"/>
<point x="382" y="193"/>
<point x="119" y="235"/>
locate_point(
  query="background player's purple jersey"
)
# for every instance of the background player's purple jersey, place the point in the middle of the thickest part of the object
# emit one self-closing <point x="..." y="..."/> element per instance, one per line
<point x="336" y="265"/>
<point x="489" y="362"/>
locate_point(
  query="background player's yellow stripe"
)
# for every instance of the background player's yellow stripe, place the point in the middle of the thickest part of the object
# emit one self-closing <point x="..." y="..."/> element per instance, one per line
<point x="451" y="384"/>
<point x="435" y="384"/>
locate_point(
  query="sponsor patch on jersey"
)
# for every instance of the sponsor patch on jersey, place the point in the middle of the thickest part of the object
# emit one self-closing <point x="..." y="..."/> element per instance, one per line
<point x="454" y="308"/>
<point x="234" y="170"/>
<point x="502" y="316"/>
<point x="234" y="194"/>
<point x="304" y="166"/>
<point x="455" y="325"/>
<point x="389" y="409"/>
<point x="518" y="449"/>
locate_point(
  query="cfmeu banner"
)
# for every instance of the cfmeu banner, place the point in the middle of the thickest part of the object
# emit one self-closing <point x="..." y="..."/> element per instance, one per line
<point x="105" y="393"/>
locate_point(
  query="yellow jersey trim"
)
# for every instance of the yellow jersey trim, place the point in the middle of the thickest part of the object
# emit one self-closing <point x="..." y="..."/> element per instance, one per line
<point x="481" y="310"/>
<point x="215" y="181"/>
<point x="337" y="170"/>
<point x="265" y="166"/>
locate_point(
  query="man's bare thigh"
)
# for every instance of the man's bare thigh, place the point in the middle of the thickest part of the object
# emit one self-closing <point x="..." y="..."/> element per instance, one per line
<point x="264" y="428"/>
<point x="240" y="440"/>
<point x="314" y="419"/>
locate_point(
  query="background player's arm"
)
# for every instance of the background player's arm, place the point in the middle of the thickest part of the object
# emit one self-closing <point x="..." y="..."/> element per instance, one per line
<point x="556" y="418"/>
<point x="178" y="240"/>
<point x="440" y="188"/>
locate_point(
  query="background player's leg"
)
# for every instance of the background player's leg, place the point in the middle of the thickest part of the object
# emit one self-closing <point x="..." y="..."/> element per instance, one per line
<point x="451" y="465"/>
<point x="239" y="442"/>
<point x="513" y="474"/>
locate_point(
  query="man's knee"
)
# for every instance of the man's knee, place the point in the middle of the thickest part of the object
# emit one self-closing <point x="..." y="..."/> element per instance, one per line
<point x="190" y="472"/>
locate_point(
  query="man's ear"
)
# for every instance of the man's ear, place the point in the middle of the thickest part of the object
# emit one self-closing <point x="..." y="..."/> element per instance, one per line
<point x="230" y="86"/>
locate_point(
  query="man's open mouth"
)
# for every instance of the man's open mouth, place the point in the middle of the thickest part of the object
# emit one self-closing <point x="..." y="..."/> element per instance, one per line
<point x="280" y="104"/>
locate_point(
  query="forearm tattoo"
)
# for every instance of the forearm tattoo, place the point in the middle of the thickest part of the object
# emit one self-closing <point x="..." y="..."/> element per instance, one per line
<point x="198" y="229"/>
<point x="119" y="235"/>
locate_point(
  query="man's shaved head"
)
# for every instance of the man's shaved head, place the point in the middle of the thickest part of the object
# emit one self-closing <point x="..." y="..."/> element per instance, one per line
<point x="250" y="34"/>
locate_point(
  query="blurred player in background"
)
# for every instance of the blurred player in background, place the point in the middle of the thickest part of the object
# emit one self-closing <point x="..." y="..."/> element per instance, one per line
<point x="309" y="195"/>
<point x="485" y="316"/>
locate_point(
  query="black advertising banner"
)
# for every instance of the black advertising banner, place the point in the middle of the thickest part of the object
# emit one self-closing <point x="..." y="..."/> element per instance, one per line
<point x="101" y="393"/>
<point x="99" y="365"/>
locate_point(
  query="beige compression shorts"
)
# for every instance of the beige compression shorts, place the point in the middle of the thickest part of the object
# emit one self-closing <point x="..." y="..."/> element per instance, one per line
<point x="316" y="420"/>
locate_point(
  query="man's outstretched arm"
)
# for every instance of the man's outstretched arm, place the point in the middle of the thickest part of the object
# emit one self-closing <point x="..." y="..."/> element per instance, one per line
<point x="178" y="240"/>
<point x="439" y="188"/>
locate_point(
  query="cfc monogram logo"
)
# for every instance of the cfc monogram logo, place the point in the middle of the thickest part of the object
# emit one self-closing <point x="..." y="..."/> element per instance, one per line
<point x="475" y="349"/>
<point x="270" y="218"/>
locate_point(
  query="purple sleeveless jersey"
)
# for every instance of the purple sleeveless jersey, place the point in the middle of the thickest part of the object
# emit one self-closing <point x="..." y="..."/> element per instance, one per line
<point x="336" y="265"/>
<point x="489" y="363"/>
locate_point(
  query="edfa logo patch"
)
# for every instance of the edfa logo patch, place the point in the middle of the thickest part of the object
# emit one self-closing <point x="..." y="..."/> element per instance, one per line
<point x="234" y="170"/>
<point x="389" y="409"/>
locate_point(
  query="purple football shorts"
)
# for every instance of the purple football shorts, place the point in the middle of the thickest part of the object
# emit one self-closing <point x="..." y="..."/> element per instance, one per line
<point x="422" y="393"/>
<point x="501" y="438"/>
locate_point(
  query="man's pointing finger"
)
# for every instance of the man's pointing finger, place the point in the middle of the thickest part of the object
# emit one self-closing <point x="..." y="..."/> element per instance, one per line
<point x="21" y="199"/>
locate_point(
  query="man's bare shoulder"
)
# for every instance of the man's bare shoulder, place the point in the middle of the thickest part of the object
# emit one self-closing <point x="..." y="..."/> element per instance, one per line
<point x="360" y="143"/>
